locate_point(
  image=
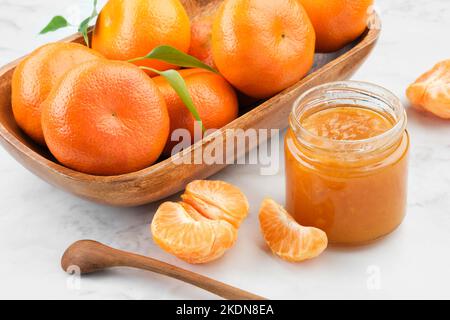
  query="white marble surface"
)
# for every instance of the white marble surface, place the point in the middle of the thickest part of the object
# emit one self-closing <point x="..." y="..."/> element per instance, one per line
<point x="37" y="221"/>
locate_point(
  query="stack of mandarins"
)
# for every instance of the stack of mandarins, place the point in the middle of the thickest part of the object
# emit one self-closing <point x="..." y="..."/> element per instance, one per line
<point x="101" y="117"/>
<point x="105" y="111"/>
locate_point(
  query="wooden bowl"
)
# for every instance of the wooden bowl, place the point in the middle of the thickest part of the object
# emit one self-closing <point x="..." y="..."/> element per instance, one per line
<point x="169" y="176"/>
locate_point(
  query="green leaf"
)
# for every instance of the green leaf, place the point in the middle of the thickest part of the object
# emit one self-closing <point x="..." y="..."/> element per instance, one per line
<point x="58" y="22"/>
<point x="176" y="57"/>
<point x="83" y="29"/>
<point x="84" y="25"/>
<point x="179" y="85"/>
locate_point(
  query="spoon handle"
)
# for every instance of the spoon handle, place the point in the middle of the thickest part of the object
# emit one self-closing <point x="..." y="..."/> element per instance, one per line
<point x="91" y="256"/>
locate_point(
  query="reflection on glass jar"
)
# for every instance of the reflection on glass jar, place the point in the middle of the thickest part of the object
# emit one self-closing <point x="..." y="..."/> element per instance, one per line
<point x="347" y="161"/>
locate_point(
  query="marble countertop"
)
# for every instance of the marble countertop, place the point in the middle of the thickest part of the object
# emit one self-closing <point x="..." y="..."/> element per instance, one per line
<point x="38" y="221"/>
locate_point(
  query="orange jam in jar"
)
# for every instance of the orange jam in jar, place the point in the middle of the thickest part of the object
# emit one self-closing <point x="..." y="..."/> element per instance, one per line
<point x="347" y="161"/>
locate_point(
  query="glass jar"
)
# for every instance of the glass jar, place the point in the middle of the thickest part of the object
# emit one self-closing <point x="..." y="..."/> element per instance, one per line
<point x="355" y="189"/>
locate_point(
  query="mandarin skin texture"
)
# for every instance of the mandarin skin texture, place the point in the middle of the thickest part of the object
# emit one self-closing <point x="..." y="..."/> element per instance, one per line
<point x="106" y="118"/>
<point x="354" y="200"/>
<point x="337" y="22"/>
<point x="36" y="75"/>
<point x="201" y="33"/>
<point x="263" y="46"/>
<point x="131" y="29"/>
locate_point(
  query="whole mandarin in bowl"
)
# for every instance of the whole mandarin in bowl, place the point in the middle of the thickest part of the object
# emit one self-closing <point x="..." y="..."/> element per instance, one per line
<point x="337" y="22"/>
<point x="263" y="46"/>
<point x="201" y="33"/>
<point x="131" y="29"/>
<point x="105" y="118"/>
<point x="36" y="75"/>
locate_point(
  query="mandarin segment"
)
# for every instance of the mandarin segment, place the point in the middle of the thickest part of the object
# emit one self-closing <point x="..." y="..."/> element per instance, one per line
<point x="431" y="91"/>
<point x="210" y="211"/>
<point x="36" y="75"/>
<point x="198" y="230"/>
<point x="222" y="195"/>
<point x="286" y="238"/>
<point x="190" y="237"/>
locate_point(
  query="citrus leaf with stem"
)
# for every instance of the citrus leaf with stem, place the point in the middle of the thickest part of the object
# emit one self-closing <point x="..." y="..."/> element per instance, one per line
<point x="174" y="56"/>
<point x="84" y="25"/>
<point x="57" y="22"/>
<point x="177" y="82"/>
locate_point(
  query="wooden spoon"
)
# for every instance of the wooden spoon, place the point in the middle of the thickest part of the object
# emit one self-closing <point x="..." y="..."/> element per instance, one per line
<point x="91" y="256"/>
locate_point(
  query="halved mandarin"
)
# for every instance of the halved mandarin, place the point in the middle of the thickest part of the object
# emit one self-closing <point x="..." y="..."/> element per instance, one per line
<point x="286" y="238"/>
<point x="217" y="200"/>
<point x="180" y="230"/>
<point x="431" y="91"/>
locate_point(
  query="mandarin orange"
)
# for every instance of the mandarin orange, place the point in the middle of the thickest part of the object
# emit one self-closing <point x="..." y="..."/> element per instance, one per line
<point x="105" y="118"/>
<point x="337" y="22"/>
<point x="263" y="46"/>
<point x="36" y="75"/>
<point x="131" y="29"/>
<point x="201" y="33"/>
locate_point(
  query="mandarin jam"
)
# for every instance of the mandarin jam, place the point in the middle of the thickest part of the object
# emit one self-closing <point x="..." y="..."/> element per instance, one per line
<point x="347" y="162"/>
<point x="347" y="123"/>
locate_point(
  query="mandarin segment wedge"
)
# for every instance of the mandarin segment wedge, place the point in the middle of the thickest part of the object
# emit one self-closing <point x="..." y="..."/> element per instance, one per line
<point x="431" y="91"/>
<point x="180" y="231"/>
<point x="224" y="196"/>
<point x="204" y="225"/>
<point x="286" y="238"/>
<point x="210" y="211"/>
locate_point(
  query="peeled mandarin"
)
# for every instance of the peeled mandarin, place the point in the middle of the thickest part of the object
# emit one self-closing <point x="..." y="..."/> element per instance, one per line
<point x="431" y="91"/>
<point x="180" y="230"/>
<point x="204" y="225"/>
